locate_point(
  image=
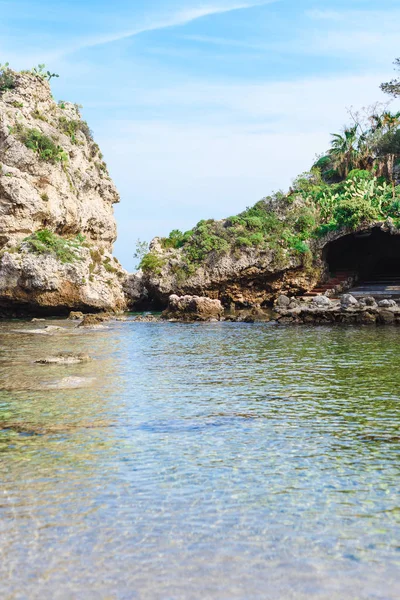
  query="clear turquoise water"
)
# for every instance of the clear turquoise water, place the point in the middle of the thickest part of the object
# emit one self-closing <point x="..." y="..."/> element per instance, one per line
<point x="211" y="461"/>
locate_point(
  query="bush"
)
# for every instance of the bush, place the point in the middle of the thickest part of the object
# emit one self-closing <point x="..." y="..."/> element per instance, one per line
<point x="152" y="263"/>
<point x="394" y="209"/>
<point x="360" y="175"/>
<point x="176" y="239"/>
<point x="243" y="242"/>
<point x="305" y="223"/>
<point x="354" y="211"/>
<point x="7" y="79"/>
<point x="300" y="246"/>
<point x="41" y="144"/>
<point x="47" y="242"/>
<point x="71" y="127"/>
<point x="325" y="228"/>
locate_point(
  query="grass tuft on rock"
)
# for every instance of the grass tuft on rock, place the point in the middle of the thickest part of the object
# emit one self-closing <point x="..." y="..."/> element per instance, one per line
<point x="45" y="241"/>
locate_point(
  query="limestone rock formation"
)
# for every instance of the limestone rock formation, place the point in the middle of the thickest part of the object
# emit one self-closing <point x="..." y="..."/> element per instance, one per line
<point x="246" y="278"/>
<point x="344" y="310"/>
<point x="193" y="308"/>
<point x="53" y="179"/>
<point x="135" y="290"/>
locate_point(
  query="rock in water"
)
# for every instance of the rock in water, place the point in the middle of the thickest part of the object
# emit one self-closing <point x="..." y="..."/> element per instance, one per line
<point x="193" y="308"/>
<point x="94" y="320"/>
<point x="57" y="225"/>
<point x="64" y="359"/>
<point x="75" y="315"/>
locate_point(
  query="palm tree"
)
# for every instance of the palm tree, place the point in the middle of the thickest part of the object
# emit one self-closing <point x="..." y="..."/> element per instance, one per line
<point x="391" y="120"/>
<point x="344" y="150"/>
<point x="384" y="122"/>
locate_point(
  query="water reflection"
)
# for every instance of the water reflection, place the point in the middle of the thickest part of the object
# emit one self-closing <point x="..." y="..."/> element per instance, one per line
<point x="202" y="461"/>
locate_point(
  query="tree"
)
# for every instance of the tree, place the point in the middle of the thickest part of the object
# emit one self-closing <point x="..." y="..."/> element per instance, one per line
<point x="392" y="87"/>
<point x="344" y="150"/>
<point x="141" y="250"/>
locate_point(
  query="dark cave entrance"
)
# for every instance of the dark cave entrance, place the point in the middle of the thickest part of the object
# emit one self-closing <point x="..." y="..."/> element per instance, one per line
<point x="371" y="256"/>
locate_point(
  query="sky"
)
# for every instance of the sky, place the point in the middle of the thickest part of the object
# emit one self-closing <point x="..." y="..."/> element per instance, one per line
<point x="202" y="107"/>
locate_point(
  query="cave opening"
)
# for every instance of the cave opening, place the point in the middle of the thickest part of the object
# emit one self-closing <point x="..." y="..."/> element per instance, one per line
<point x="371" y="256"/>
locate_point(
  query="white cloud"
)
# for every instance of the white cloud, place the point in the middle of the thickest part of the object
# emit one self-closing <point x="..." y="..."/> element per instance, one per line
<point x="325" y="15"/>
<point x="178" y="19"/>
<point x="255" y="139"/>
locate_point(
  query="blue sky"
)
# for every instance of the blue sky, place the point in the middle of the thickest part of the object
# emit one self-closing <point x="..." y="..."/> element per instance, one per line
<point x="203" y="107"/>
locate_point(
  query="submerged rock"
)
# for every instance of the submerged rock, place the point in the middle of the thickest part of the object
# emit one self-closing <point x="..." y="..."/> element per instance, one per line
<point x="193" y="308"/>
<point x="75" y="315"/>
<point x="386" y="316"/>
<point x="91" y="320"/>
<point x="47" y="330"/>
<point x="64" y="359"/>
<point x="68" y="383"/>
<point x="146" y="319"/>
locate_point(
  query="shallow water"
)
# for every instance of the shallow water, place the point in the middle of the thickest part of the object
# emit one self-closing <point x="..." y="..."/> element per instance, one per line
<point x="211" y="461"/>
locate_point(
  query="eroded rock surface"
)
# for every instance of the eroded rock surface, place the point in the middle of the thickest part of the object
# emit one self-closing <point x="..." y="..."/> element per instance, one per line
<point x="345" y="310"/>
<point x="93" y="320"/>
<point x="68" y="193"/>
<point x="193" y="308"/>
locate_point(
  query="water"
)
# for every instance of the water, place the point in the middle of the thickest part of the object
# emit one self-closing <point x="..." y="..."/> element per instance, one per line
<point x="210" y="461"/>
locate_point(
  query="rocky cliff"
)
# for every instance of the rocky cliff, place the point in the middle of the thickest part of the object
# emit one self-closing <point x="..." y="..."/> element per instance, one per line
<point x="56" y="206"/>
<point x="338" y="223"/>
<point x="220" y="260"/>
<point x="285" y="243"/>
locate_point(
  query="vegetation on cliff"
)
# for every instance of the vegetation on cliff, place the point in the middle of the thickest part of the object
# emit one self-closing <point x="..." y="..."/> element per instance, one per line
<point x="355" y="182"/>
<point x="47" y="242"/>
<point x="57" y="226"/>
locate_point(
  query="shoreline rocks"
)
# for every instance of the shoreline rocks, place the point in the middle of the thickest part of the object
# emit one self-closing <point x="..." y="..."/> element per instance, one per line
<point x="346" y="310"/>
<point x="193" y="308"/>
<point x="93" y="320"/>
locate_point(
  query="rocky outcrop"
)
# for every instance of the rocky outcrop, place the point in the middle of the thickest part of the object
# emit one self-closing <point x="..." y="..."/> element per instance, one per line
<point x="251" y="276"/>
<point x="193" y="308"/>
<point x="53" y="178"/>
<point x="247" y="278"/>
<point x="347" y="310"/>
<point x="136" y="292"/>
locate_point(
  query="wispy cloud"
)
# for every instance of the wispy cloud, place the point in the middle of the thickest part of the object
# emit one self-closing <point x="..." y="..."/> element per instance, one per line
<point x="177" y="19"/>
<point x="325" y="15"/>
<point x="218" y="41"/>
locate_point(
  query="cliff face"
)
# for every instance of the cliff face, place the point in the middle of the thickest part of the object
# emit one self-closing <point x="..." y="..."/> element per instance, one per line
<point x="54" y="185"/>
<point x="278" y="246"/>
<point x="247" y="278"/>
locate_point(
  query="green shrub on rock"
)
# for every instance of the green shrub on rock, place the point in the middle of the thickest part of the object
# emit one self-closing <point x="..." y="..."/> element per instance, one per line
<point x="41" y="144"/>
<point x="7" y="79"/>
<point x="152" y="263"/>
<point x="45" y="241"/>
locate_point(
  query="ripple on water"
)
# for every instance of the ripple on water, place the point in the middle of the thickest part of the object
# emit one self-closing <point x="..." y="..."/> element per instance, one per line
<point x="200" y="461"/>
